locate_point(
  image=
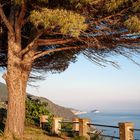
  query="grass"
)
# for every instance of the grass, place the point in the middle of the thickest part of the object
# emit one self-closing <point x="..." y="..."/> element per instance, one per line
<point x="37" y="134"/>
<point x="32" y="133"/>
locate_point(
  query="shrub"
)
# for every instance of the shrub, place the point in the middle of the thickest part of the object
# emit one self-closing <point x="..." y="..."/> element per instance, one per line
<point x="34" y="109"/>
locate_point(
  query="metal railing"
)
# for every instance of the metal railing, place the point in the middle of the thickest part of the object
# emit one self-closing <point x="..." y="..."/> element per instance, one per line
<point x="135" y="129"/>
<point x="111" y="126"/>
<point x="102" y="131"/>
<point x="137" y="133"/>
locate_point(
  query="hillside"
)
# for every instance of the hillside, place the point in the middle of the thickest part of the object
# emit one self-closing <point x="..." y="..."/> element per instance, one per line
<point x="52" y="107"/>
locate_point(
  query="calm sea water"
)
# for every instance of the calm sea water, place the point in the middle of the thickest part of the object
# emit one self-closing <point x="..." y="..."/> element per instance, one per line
<point x="114" y="119"/>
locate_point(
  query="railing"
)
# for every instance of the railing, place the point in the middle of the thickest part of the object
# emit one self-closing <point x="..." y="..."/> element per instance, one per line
<point x="83" y="127"/>
<point x="137" y="131"/>
<point x="102" y="130"/>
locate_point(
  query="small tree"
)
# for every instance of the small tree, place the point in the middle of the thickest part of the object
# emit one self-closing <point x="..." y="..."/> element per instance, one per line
<point x="46" y="35"/>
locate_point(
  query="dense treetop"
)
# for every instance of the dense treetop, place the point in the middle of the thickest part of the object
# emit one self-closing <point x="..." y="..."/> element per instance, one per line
<point x="58" y="30"/>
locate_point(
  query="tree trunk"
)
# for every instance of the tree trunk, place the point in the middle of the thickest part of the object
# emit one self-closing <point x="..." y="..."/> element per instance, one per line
<point x="16" y="79"/>
<point x="16" y="106"/>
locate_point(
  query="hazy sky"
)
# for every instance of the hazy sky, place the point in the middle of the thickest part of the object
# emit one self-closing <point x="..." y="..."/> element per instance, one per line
<point x="86" y="86"/>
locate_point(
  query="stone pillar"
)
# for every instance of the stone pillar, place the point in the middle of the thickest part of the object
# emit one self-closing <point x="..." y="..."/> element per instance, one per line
<point x="84" y="128"/>
<point x="56" y="125"/>
<point x="126" y="132"/>
<point x="75" y="127"/>
<point x="43" y="121"/>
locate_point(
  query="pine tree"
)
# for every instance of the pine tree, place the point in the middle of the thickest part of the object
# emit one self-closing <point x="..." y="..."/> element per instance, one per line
<point x="47" y="35"/>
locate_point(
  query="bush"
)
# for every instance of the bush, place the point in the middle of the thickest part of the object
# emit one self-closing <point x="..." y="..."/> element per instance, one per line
<point x="34" y="109"/>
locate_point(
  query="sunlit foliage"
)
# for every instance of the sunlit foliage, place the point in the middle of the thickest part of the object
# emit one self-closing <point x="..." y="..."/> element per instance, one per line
<point x="114" y="4"/>
<point x="81" y="3"/>
<point x="133" y="24"/>
<point x="66" y="22"/>
<point x="136" y="6"/>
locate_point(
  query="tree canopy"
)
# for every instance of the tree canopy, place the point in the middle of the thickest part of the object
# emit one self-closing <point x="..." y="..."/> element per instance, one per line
<point x="58" y="30"/>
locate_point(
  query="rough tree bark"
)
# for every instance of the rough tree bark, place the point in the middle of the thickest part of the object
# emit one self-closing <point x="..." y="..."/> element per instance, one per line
<point x="16" y="79"/>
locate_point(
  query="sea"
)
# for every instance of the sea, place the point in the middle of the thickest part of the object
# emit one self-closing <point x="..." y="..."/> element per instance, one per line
<point x="113" y="119"/>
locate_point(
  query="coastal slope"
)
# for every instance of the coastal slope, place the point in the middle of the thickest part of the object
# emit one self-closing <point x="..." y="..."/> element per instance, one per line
<point x="55" y="109"/>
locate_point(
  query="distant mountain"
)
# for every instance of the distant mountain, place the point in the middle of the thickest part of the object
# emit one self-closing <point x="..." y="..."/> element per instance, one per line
<point x="52" y="107"/>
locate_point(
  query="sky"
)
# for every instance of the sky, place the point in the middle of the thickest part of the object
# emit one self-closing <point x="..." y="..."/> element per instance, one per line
<point x="86" y="86"/>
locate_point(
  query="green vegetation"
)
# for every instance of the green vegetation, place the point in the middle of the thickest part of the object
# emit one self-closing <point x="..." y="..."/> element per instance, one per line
<point x="67" y="130"/>
<point x="79" y="4"/>
<point x="115" y="4"/>
<point x="3" y="92"/>
<point x="92" y="138"/>
<point x="34" y="109"/>
<point x="133" y="23"/>
<point x="69" y="22"/>
<point x="79" y="138"/>
<point x="136" y="6"/>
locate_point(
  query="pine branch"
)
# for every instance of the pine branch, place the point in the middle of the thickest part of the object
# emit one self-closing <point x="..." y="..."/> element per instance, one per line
<point x="57" y="50"/>
<point x="5" y="20"/>
<point x="46" y="42"/>
<point x="31" y="45"/>
<point x="22" y="13"/>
